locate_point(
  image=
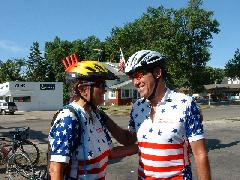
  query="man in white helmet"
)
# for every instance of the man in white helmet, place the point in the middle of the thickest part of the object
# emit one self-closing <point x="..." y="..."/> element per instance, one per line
<point x="165" y="123"/>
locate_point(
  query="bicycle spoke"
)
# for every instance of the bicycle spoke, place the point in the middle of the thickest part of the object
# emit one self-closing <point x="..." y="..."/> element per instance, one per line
<point x="31" y="150"/>
<point x="19" y="166"/>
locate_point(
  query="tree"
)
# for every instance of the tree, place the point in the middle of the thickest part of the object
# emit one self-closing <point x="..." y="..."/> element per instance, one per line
<point x="232" y="67"/>
<point x="93" y="48"/>
<point x="57" y="50"/>
<point x="217" y="75"/>
<point x="36" y="65"/>
<point x="210" y="75"/>
<point x="193" y="40"/>
<point x="12" y="70"/>
<point x="183" y="35"/>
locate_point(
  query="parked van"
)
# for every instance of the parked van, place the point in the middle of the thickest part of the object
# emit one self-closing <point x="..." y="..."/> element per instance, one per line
<point x="8" y="107"/>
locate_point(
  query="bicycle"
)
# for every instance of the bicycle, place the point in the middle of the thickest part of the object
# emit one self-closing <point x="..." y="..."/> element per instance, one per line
<point x="26" y="146"/>
<point x="14" y="153"/>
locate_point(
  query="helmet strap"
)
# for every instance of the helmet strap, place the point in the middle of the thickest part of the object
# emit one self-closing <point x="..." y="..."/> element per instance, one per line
<point x="152" y="95"/>
<point x="154" y="90"/>
<point x="91" y="97"/>
<point x="156" y="79"/>
<point x="89" y="103"/>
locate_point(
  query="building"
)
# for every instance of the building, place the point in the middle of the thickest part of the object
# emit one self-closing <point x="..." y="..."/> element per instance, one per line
<point x="229" y="89"/>
<point x="33" y="96"/>
<point x="120" y="91"/>
<point x="38" y="96"/>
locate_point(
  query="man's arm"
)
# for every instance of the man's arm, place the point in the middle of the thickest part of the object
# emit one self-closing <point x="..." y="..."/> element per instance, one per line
<point x="201" y="158"/>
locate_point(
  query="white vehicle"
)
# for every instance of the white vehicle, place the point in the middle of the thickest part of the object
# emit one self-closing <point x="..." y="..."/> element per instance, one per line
<point x="7" y="107"/>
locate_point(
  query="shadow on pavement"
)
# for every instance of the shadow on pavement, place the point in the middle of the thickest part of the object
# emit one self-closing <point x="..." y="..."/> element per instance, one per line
<point x="113" y="161"/>
<point x="38" y="135"/>
<point x="34" y="135"/>
<point x="216" y="144"/>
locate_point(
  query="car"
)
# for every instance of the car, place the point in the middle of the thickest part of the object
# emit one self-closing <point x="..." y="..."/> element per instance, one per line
<point x="8" y="107"/>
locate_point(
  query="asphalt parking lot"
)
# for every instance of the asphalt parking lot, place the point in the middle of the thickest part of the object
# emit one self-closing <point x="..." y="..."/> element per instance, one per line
<point x="221" y="124"/>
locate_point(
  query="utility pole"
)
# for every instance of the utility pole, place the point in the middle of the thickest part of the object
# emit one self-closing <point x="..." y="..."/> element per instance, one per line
<point x="209" y="99"/>
<point x="100" y="54"/>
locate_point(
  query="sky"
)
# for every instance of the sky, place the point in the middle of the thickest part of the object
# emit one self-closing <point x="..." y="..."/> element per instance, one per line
<point x="23" y="22"/>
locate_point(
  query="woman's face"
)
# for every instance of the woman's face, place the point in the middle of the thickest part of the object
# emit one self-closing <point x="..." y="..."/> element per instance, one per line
<point x="98" y="93"/>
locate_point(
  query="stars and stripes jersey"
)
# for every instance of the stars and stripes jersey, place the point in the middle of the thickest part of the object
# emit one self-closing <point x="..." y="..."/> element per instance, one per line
<point x="163" y="142"/>
<point x="89" y="160"/>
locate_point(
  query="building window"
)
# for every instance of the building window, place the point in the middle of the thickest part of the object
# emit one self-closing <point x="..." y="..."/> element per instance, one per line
<point x="22" y="99"/>
<point x="112" y="94"/>
<point x="135" y="95"/>
<point x="125" y="93"/>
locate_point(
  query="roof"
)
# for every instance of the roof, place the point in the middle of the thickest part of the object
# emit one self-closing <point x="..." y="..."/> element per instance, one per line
<point x="113" y="67"/>
<point x="5" y="92"/>
<point x="222" y="86"/>
<point x="15" y="93"/>
<point x="122" y="84"/>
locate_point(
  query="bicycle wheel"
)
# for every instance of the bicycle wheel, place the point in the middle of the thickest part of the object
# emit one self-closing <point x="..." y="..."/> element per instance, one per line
<point x="19" y="166"/>
<point x="31" y="150"/>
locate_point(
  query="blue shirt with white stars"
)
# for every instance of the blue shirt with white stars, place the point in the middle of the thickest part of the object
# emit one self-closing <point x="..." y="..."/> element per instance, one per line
<point x="94" y="146"/>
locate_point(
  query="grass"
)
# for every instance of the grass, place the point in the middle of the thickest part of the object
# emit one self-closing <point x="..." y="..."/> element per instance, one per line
<point x="125" y="110"/>
<point x="117" y="110"/>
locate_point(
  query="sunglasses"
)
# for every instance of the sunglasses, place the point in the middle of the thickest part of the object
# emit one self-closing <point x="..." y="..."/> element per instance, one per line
<point x="137" y="75"/>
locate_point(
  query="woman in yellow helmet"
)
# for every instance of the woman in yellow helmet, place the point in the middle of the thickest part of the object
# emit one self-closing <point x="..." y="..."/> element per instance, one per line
<point x="79" y="139"/>
<point x="89" y="74"/>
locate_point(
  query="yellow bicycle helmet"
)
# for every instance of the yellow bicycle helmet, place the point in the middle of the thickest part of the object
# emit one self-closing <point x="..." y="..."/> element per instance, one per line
<point x="87" y="70"/>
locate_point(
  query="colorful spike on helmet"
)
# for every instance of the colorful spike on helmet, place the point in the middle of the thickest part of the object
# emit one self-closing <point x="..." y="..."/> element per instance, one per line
<point x="86" y="70"/>
<point x="68" y="63"/>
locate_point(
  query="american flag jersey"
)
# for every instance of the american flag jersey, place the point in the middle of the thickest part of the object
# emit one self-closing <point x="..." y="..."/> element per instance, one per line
<point x="90" y="159"/>
<point x="163" y="142"/>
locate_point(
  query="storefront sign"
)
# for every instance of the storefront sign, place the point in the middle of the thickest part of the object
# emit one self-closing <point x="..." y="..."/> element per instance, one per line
<point x="47" y="86"/>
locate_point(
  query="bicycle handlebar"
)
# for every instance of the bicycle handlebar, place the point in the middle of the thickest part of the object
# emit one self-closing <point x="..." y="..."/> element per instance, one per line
<point x="20" y="133"/>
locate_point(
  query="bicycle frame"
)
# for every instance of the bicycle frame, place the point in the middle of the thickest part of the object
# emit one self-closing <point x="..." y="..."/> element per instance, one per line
<point x="13" y="155"/>
<point x="4" y="152"/>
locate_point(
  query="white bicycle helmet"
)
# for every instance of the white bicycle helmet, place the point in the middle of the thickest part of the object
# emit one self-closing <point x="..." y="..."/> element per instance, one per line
<point x="144" y="59"/>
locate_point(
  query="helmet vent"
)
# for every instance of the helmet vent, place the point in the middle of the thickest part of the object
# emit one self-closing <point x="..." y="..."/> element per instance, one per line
<point x="69" y="62"/>
<point x="143" y="56"/>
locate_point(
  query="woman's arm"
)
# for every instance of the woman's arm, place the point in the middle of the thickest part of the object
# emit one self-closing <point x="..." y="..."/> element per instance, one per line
<point x="65" y="130"/>
<point x="56" y="170"/>
<point x="123" y="151"/>
<point x="123" y="136"/>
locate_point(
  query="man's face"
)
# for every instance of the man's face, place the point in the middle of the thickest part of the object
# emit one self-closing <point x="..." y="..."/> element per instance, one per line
<point x="144" y="82"/>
